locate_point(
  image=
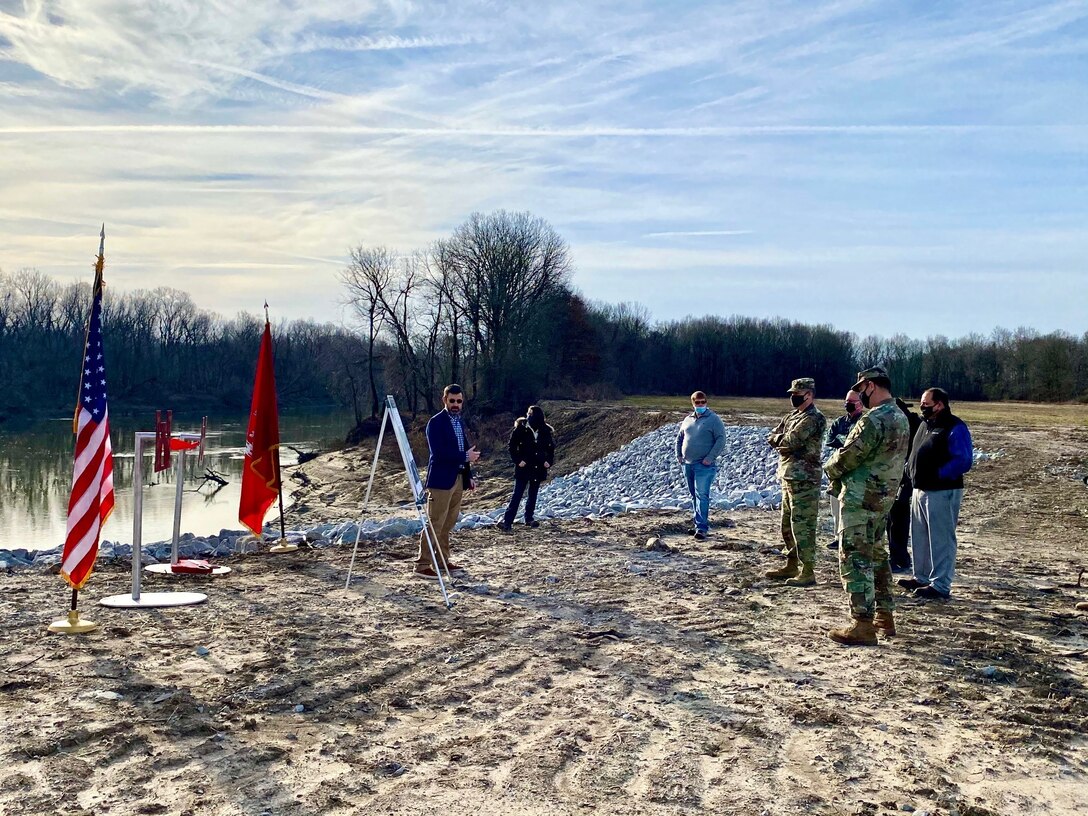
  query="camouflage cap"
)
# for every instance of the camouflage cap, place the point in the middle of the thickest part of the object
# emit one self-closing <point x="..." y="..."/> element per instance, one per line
<point x="870" y="374"/>
<point x="802" y="384"/>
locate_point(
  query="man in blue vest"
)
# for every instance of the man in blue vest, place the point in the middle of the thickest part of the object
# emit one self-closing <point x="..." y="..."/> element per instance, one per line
<point x="449" y="473"/>
<point x="941" y="454"/>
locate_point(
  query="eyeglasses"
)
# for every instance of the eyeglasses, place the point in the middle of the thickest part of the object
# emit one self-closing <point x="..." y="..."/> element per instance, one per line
<point x="453" y="401"/>
<point x="698" y="402"/>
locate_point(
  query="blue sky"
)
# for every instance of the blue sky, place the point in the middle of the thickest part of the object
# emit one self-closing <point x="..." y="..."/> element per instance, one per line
<point x="885" y="167"/>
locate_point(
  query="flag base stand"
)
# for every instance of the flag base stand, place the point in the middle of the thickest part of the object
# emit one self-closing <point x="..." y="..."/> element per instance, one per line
<point x="152" y="600"/>
<point x="165" y="569"/>
<point x="72" y="625"/>
<point x="283" y="547"/>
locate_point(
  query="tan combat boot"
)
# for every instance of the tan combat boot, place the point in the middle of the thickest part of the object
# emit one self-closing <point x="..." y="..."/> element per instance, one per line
<point x="862" y="633"/>
<point x="885" y="622"/>
<point x="806" y="578"/>
<point x="791" y="570"/>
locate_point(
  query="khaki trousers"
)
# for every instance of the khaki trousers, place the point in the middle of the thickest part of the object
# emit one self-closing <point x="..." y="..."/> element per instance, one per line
<point x="443" y="507"/>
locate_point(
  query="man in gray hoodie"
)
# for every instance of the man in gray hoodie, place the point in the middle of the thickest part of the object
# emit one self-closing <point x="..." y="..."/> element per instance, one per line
<point x="698" y="446"/>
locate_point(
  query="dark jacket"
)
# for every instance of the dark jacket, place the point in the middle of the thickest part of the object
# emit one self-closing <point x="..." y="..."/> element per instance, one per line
<point x="840" y="429"/>
<point x="906" y="487"/>
<point x="942" y="453"/>
<point x="533" y="451"/>
<point x="913" y="419"/>
<point x="446" y="462"/>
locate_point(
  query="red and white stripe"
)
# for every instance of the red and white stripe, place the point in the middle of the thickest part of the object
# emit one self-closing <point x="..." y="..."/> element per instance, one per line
<point x="92" y="498"/>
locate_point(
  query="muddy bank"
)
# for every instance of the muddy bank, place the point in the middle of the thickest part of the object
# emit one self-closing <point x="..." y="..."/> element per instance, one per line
<point x="577" y="673"/>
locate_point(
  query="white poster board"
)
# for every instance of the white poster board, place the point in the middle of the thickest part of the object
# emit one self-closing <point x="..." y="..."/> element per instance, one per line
<point x="405" y="450"/>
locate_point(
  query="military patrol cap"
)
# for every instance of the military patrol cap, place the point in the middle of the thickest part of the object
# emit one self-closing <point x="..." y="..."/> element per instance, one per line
<point x="870" y="374"/>
<point x="802" y="384"/>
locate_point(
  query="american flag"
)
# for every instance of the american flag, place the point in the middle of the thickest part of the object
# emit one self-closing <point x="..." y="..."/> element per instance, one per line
<point x="92" y="484"/>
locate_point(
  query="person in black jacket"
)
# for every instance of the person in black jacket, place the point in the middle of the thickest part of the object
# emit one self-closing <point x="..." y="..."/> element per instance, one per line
<point x="532" y="449"/>
<point x="898" y="528"/>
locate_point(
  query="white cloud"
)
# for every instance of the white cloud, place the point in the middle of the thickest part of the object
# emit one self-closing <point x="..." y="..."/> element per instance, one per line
<point x="247" y="146"/>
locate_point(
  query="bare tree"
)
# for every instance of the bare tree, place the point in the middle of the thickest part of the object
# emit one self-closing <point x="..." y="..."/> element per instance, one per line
<point x="503" y="267"/>
<point x="367" y="278"/>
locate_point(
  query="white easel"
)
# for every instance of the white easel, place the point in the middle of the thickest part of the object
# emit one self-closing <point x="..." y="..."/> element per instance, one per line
<point x="392" y="416"/>
<point x="147" y="600"/>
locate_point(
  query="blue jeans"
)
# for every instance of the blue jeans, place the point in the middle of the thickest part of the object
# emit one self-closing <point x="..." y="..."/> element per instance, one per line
<point x="700" y="477"/>
<point x="530" y="503"/>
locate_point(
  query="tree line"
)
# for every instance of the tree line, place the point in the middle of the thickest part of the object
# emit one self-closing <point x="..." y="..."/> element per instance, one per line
<point x="162" y="351"/>
<point x="493" y="307"/>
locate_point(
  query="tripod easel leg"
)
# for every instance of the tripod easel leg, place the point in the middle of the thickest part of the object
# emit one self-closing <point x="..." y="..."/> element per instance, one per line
<point x="432" y="540"/>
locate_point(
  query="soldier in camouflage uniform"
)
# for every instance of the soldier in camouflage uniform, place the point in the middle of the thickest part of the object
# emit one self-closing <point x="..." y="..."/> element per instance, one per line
<point x="865" y="474"/>
<point x="799" y="441"/>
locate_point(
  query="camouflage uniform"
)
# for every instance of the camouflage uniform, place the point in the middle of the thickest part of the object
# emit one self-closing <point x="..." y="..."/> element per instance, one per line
<point x="865" y="474"/>
<point x="799" y="442"/>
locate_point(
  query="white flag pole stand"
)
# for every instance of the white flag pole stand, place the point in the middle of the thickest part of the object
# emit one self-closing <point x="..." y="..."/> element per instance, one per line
<point x="392" y="415"/>
<point x="146" y="600"/>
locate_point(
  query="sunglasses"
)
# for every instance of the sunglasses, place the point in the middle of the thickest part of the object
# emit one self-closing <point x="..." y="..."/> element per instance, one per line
<point x="453" y="401"/>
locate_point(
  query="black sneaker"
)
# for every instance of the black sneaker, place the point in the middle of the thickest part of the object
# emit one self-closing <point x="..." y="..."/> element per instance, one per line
<point x="691" y="530"/>
<point x="533" y="524"/>
<point x="931" y="594"/>
<point x="911" y="583"/>
<point x="699" y="536"/>
<point x="506" y="528"/>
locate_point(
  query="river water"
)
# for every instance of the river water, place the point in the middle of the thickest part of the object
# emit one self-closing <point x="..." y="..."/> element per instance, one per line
<point x="36" y="476"/>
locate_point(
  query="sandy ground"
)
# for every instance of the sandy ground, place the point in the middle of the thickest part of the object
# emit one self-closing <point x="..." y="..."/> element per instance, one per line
<point x="577" y="673"/>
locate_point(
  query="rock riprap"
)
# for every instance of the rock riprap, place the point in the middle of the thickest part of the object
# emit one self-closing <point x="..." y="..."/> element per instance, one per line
<point x="644" y="475"/>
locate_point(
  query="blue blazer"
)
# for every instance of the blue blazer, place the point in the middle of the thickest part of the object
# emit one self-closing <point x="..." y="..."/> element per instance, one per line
<point x="446" y="462"/>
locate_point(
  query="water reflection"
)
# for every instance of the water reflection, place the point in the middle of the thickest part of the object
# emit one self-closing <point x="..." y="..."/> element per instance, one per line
<point x="36" y="477"/>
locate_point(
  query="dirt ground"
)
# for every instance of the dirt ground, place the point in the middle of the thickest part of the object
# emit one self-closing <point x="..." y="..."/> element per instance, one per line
<point x="577" y="672"/>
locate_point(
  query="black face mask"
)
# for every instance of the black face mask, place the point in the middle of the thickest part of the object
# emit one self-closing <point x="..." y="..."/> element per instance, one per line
<point x="927" y="412"/>
<point x="797" y="400"/>
<point x="864" y="398"/>
<point x="850" y="407"/>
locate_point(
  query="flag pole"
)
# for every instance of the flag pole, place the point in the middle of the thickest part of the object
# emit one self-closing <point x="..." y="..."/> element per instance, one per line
<point x="72" y="625"/>
<point x="281" y="546"/>
<point x="283" y="527"/>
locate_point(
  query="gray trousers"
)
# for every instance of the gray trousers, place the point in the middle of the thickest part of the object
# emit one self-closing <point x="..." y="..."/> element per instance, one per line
<point x="836" y="517"/>
<point x="933" y="518"/>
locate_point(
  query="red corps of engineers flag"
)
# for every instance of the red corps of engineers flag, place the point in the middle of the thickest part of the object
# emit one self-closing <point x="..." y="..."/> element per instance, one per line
<point x="91" y="501"/>
<point x="261" y="472"/>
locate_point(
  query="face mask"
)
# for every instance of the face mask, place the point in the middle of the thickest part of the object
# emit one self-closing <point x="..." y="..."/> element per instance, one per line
<point x="927" y="412"/>
<point x="700" y="409"/>
<point x="797" y="400"/>
<point x="850" y="407"/>
<point x="864" y="398"/>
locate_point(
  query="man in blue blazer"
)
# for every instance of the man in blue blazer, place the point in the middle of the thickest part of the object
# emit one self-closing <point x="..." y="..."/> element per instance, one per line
<point x="448" y="474"/>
